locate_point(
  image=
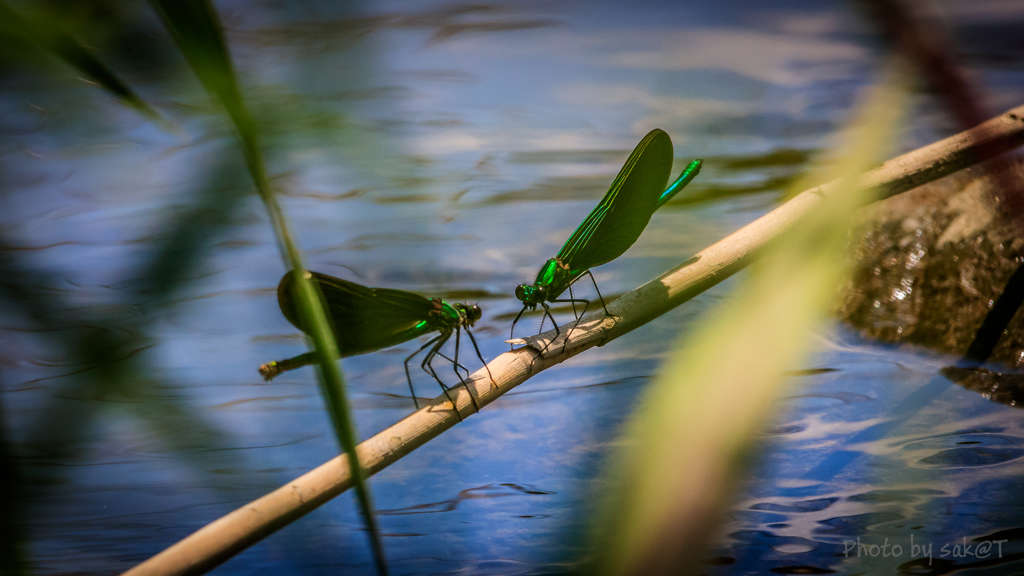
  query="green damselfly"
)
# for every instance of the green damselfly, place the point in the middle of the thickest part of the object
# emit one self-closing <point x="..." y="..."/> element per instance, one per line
<point x="369" y="319"/>
<point x="612" y="226"/>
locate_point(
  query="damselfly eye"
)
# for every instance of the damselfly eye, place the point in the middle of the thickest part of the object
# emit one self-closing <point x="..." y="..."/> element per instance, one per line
<point x="521" y="292"/>
<point x="475" y="313"/>
<point x="542" y="291"/>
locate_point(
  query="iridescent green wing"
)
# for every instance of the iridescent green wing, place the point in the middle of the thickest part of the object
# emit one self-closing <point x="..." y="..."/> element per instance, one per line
<point x="364" y="319"/>
<point x="615" y="224"/>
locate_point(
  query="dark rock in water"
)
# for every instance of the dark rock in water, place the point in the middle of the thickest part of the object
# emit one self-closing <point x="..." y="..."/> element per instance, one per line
<point x="1005" y="389"/>
<point x="931" y="263"/>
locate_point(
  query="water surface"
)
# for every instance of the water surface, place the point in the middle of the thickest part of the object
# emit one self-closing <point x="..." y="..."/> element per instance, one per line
<point x="449" y="150"/>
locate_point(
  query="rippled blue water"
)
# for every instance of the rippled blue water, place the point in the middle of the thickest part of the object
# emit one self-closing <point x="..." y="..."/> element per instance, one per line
<point x="449" y="150"/>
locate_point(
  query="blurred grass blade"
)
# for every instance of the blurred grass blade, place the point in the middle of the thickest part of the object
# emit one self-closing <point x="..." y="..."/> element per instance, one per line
<point x="61" y="44"/>
<point x="196" y="29"/>
<point x="180" y="251"/>
<point x="102" y="360"/>
<point x="690" y="438"/>
<point x="12" y="504"/>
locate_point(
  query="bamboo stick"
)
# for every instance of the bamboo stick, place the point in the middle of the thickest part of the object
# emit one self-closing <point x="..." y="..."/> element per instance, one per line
<point x="218" y="541"/>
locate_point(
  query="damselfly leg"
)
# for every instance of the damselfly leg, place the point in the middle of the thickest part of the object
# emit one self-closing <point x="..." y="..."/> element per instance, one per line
<point x="429" y="369"/>
<point x="408" y="375"/>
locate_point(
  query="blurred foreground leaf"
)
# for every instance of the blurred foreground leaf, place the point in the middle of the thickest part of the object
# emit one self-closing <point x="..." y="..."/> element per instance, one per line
<point x="102" y="361"/>
<point x="688" y="443"/>
<point x="49" y="37"/>
<point x="12" y="517"/>
<point x="197" y="30"/>
<point x="181" y="249"/>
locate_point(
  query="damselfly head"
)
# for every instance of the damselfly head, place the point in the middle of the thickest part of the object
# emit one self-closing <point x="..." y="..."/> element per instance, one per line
<point x="521" y="292"/>
<point x="469" y="312"/>
<point x="531" y="295"/>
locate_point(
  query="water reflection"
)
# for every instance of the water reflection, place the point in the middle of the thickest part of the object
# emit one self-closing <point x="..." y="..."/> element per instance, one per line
<point x="488" y="491"/>
<point x="448" y="150"/>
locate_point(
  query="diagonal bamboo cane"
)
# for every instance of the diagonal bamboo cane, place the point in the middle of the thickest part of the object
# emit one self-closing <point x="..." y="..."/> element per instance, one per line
<point x="218" y="541"/>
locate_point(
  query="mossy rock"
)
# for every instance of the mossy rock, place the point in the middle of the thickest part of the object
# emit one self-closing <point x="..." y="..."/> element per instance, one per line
<point x="930" y="263"/>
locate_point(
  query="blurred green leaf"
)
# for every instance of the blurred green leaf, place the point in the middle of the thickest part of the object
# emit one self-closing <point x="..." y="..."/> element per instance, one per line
<point x="49" y="37"/>
<point x="181" y="249"/>
<point x="102" y="359"/>
<point x="689" y="441"/>
<point x="196" y="29"/>
<point x="12" y="503"/>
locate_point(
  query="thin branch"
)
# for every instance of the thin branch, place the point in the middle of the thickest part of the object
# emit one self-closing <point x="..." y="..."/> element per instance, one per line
<point x="220" y="540"/>
<point x="928" y="47"/>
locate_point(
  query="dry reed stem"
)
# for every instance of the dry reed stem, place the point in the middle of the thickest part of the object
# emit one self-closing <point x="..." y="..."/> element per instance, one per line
<point x="218" y="541"/>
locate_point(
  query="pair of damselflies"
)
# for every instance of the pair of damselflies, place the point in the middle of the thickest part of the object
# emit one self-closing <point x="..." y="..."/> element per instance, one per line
<point x="369" y="319"/>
